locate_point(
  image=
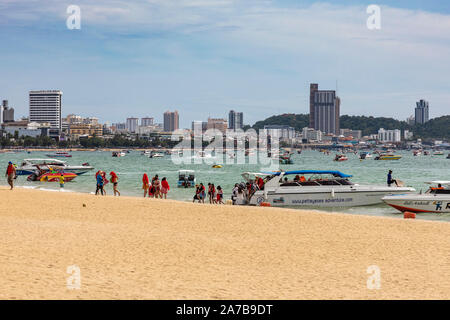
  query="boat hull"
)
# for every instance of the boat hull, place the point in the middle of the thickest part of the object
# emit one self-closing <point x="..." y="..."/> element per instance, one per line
<point x="331" y="197"/>
<point x="419" y="203"/>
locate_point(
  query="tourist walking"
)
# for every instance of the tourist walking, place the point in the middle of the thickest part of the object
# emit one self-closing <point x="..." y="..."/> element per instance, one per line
<point x="99" y="179"/>
<point x="114" y="181"/>
<point x="164" y="187"/>
<point x="145" y="184"/>
<point x="11" y="174"/>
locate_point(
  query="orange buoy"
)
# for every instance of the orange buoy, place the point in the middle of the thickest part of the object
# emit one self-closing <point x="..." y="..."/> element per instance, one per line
<point x="265" y="204"/>
<point x="409" y="215"/>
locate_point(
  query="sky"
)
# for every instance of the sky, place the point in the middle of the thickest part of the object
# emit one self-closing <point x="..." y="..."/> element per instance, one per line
<point x="137" y="58"/>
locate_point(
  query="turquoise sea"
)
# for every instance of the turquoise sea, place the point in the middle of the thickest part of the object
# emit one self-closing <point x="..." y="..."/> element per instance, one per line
<point x="413" y="171"/>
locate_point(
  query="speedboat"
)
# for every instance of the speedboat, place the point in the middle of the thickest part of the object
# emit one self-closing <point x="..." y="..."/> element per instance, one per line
<point x="118" y="154"/>
<point x="436" y="199"/>
<point x="317" y="189"/>
<point x="388" y="157"/>
<point x="29" y="166"/>
<point x="186" y="178"/>
<point x="438" y="153"/>
<point x="59" y="155"/>
<point x="156" y="155"/>
<point x="340" y="157"/>
<point x="52" y="176"/>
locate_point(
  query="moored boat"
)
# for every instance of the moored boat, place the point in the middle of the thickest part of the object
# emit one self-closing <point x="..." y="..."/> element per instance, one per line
<point x="388" y="157"/>
<point x="186" y="179"/>
<point x="435" y="200"/>
<point x="340" y="157"/>
<point x="59" y="155"/>
<point x="317" y="188"/>
<point x="29" y="166"/>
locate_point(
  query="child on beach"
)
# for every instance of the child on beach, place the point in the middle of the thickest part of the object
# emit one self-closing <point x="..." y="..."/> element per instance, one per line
<point x="219" y="195"/>
<point x="114" y="181"/>
<point x="164" y="187"/>
<point x="61" y="180"/>
<point x="145" y="184"/>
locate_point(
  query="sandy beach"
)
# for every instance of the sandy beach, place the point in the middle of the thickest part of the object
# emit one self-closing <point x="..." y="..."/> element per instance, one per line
<point x="135" y="248"/>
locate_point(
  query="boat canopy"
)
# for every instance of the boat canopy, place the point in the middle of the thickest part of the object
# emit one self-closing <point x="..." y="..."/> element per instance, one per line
<point x="302" y="172"/>
<point x="445" y="183"/>
<point x="44" y="160"/>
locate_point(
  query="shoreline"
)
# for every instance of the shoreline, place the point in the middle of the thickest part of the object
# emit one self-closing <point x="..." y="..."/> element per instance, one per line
<point x="131" y="248"/>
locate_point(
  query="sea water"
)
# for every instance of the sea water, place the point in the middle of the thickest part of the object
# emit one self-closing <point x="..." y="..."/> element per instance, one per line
<point x="414" y="171"/>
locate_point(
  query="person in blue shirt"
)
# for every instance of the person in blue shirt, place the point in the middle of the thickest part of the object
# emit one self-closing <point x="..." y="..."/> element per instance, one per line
<point x="99" y="178"/>
<point x="390" y="180"/>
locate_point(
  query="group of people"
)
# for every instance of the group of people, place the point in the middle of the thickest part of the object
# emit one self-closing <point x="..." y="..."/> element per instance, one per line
<point x="215" y="196"/>
<point x="155" y="189"/>
<point x="101" y="179"/>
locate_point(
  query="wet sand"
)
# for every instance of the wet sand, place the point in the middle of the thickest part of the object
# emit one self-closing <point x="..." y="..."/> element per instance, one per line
<point x="135" y="248"/>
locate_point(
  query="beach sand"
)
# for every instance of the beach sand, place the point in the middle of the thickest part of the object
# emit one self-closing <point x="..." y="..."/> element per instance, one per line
<point x="135" y="248"/>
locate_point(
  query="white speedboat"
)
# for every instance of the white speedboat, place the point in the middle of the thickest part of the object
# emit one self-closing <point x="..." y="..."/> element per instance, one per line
<point x="118" y="154"/>
<point x="29" y="166"/>
<point x="436" y="199"/>
<point x="318" y="189"/>
<point x="156" y="155"/>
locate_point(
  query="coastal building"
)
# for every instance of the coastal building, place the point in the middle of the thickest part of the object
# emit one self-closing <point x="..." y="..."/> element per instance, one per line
<point x="24" y="128"/>
<point x="6" y="113"/>
<point x="411" y="120"/>
<point x="309" y="134"/>
<point x="324" y="109"/>
<point x="217" y="123"/>
<point x="45" y="107"/>
<point x="147" y="121"/>
<point x="84" y="129"/>
<point x="171" y="121"/>
<point x="283" y="132"/>
<point x="407" y="135"/>
<point x="422" y="112"/>
<point x="389" y="135"/>
<point x="132" y="125"/>
<point x="235" y="120"/>
<point x="153" y="128"/>
<point x="356" y="134"/>
<point x="199" y="125"/>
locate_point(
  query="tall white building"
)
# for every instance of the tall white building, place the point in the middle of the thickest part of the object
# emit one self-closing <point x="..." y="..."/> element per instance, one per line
<point x="132" y="124"/>
<point x="45" y="107"/>
<point x="389" y="135"/>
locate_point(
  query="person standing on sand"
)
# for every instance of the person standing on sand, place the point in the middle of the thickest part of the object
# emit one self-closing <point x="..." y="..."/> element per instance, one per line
<point x="105" y="182"/>
<point x="114" y="181"/>
<point x="219" y="195"/>
<point x="164" y="187"/>
<point x="61" y="180"/>
<point x="157" y="185"/>
<point x="145" y="184"/>
<point x="202" y="193"/>
<point x="11" y="174"/>
<point x="99" y="183"/>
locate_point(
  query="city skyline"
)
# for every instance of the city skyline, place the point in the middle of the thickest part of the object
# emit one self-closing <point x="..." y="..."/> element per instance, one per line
<point x="224" y="55"/>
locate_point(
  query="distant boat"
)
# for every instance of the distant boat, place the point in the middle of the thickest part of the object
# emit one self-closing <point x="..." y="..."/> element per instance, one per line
<point x="156" y="155"/>
<point x="388" y="157"/>
<point x="340" y="157"/>
<point x="118" y="154"/>
<point x="438" y="153"/>
<point x="59" y="155"/>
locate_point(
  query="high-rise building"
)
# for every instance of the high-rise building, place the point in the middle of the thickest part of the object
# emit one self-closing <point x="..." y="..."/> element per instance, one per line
<point x="235" y="120"/>
<point x="324" y="110"/>
<point x="6" y="113"/>
<point x="132" y="124"/>
<point x="147" y="121"/>
<point x="219" y="124"/>
<point x="171" y="121"/>
<point x="45" y="107"/>
<point x="422" y="112"/>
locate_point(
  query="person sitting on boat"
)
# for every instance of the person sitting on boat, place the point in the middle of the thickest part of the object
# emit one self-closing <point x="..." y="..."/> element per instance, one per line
<point x="439" y="187"/>
<point x="390" y="180"/>
<point x="297" y="178"/>
<point x="302" y="179"/>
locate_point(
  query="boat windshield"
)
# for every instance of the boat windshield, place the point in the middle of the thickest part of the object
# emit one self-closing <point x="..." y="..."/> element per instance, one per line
<point x="314" y="180"/>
